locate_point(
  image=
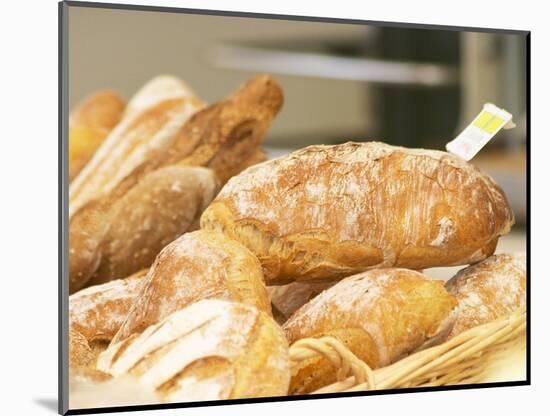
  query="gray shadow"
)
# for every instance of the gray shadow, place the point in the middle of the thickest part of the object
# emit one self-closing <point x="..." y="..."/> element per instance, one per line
<point x="48" y="403"/>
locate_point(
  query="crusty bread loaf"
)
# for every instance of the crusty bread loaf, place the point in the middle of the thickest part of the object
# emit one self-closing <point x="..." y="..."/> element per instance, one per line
<point x="89" y="124"/>
<point x="211" y="350"/>
<point x="286" y="299"/>
<point x="381" y="315"/>
<point x="148" y="128"/>
<point x="98" y="311"/>
<point x="488" y="290"/>
<point x="137" y="196"/>
<point x="111" y="238"/>
<point x="325" y="212"/>
<point x="198" y="265"/>
<point x="224" y="136"/>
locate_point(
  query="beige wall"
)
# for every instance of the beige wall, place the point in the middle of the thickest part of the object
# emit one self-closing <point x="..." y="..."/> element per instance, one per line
<point x="122" y="49"/>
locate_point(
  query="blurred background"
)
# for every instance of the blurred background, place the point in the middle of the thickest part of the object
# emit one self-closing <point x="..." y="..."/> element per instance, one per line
<point x="403" y="86"/>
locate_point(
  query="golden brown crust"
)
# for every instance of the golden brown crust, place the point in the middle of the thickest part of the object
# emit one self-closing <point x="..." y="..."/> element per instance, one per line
<point x="148" y="128"/>
<point x="112" y="237"/>
<point x="89" y="124"/>
<point x="211" y="350"/>
<point x="224" y="136"/>
<point x="98" y="311"/>
<point x="325" y="212"/>
<point x="288" y="298"/>
<point x="137" y="178"/>
<point x="198" y="265"/>
<point x="488" y="290"/>
<point x="381" y="315"/>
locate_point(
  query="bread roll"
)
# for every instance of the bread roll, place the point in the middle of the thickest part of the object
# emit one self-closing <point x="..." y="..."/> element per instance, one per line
<point x="154" y="116"/>
<point x="98" y="311"/>
<point x="381" y="315"/>
<point x="198" y="265"/>
<point x="488" y="290"/>
<point x="89" y="124"/>
<point x="111" y="238"/>
<point x="325" y="212"/>
<point x="211" y="350"/>
<point x="288" y="298"/>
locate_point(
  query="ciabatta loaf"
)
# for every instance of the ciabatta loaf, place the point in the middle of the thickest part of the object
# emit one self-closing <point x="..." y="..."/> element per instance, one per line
<point x="198" y="265"/>
<point x="89" y="124"/>
<point x="325" y="212"/>
<point x="113" y="237"/>
<point x="98" y="311"/>
<point x="488" y="290"/>
<point x="211" y="350"/>
<point x="381" y="315"/>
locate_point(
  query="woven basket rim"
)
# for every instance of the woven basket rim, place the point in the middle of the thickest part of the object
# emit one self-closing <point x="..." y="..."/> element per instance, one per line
<point x="459" y="360"/>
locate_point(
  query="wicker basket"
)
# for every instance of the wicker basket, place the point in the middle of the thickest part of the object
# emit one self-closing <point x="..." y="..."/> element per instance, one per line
<point x="464" y="359"/>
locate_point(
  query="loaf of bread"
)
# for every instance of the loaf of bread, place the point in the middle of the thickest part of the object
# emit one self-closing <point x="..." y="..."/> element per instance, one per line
<point x="89" y="124"/>
<point x="286" y="299"/>
<point x="488" y="290"/>
<point x="111" y="238"/>
<point x="325" y="212"/>
<point x="127" y="207"/>
<point x="148" y="128"/>
<point x="198" y="265"/>
<point x="98" y="311"/>
<point x="211" y="350"/>
<point x="380" y="315"/>
<point x="224" y="136"/>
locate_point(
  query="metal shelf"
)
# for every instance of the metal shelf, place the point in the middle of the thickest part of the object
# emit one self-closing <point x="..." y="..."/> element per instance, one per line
<point x="333" y="67"/>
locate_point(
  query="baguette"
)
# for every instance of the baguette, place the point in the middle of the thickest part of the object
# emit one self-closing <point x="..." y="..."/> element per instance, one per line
<point x="211" y="350"/>
<point x="326" y="212"/>
<point x="111" y="238"/>
<point x="380" y="315"/>
<point x="89" y="124"/>
<point x="198" y="265"/>
<point x="98" y="311"/>
<point x="488" y="290"/>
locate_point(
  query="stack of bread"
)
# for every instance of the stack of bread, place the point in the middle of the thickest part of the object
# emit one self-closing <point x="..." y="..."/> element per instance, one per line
<point x="194" y="267"/>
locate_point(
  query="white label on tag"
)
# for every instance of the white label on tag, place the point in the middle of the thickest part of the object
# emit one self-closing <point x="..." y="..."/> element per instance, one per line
<point x="487" y="123"/>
